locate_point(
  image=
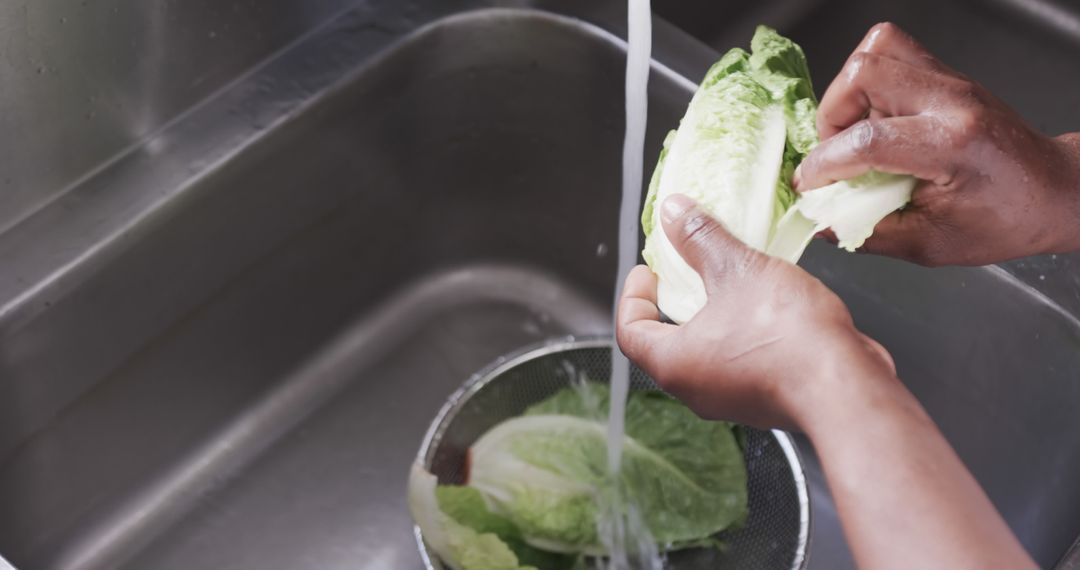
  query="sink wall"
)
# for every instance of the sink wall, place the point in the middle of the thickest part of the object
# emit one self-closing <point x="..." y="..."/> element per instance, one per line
<point x="446" y="204"/>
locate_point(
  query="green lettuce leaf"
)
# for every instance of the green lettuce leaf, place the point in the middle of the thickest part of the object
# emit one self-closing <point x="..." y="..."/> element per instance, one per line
<point x="647" y="218"/>
<point x="543" y="471"/>
<point x="730" y="167"/>
<point x="748" y="126"/>
<point x="466" y="505"/>
<point x="457" y="545"/>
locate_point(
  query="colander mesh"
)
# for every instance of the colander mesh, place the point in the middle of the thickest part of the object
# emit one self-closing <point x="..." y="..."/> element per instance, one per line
<point x="775" y="532"/>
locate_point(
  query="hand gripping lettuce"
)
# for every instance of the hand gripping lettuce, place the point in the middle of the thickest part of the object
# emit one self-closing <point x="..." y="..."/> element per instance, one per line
<point x="748" y="126"/>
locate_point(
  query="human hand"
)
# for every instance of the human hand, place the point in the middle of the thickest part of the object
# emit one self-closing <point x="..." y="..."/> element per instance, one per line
<point x="769" y="346"/>
<point x="992" y="189"/>
<point x="773" y="347"/>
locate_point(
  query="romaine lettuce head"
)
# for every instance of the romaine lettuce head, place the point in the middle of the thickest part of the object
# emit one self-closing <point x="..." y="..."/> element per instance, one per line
<point x="750" y="123"/>
<point x="544" y="471"/>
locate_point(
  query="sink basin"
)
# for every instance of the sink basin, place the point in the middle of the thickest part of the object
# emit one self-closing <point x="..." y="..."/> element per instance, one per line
<point x="229" y="355"/>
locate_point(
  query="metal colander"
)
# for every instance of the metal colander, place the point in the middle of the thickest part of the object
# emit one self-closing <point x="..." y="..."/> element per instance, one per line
<point x="776" y="531"/>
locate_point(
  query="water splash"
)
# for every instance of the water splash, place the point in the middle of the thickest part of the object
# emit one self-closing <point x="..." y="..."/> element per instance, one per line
<point x="624" y="534"/>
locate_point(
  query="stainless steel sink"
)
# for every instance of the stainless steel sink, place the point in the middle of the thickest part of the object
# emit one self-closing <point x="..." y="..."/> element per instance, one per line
<point x="222" y="349"/>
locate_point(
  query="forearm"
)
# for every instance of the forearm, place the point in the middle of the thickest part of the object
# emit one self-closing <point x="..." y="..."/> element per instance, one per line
<point x="1068" y="184"/>
<point x="904" y="497"/>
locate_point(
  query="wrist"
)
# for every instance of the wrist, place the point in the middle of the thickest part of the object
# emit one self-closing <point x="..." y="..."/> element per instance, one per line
<point x="851" y="382"/>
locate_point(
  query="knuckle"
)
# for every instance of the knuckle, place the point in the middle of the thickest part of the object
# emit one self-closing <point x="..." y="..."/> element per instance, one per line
<point x="863" y="137"/>
<point x="968" y="126"/>
<point x="860" y="59"/>
<point x="883" y="32"/>
<point x="698" y="229"/>
<point x="858" y="65"/>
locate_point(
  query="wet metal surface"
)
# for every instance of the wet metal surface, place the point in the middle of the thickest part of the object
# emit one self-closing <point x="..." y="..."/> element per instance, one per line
<point x="222" y="349"/>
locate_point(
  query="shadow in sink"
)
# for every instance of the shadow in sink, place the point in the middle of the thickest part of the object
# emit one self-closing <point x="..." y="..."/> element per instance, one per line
<point x="249" y="380"/>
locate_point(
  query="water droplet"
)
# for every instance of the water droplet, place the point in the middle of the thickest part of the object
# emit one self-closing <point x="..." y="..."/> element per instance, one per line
<point x="601" y="249"/>
<point x="1042" y="278"/>
<point x="63" y="20"/>
<point x="41" y="70"/>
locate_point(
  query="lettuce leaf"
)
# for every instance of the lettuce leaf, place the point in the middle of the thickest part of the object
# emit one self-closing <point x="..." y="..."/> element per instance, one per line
<point x="466" y="505"/>
<point x="543" y="471"/>
<point x="851" y="208"/>
<point x="458" y="545"/>
<point x="750" y="123"/>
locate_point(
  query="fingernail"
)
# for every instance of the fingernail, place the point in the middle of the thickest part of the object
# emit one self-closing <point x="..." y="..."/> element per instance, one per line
<point x="796" y="179"/>
<point x="674" y="207"/>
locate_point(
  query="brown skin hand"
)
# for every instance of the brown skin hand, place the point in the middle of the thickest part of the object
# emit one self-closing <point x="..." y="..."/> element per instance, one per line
<point x="774" y="347"/>
<point x="993" y="188"/>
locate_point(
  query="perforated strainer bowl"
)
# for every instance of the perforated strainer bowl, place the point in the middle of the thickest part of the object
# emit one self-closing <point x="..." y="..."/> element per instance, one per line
<point x="776" y="532"/>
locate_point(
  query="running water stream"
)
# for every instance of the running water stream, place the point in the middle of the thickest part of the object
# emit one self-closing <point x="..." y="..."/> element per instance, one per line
<point x="621" y="526"/>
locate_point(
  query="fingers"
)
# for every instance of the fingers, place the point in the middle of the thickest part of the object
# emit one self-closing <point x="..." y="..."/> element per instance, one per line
<point x="704" y="243"/>
<point x="875" y="82"/>
<point x="889" y="40"/>
<point x="638" y="302"/>
<point x="902" y="145"/>
<point x="641" y="335"/>
<point x="903" y="235"/>
<point x="906" y="234"/>
<point x="828" y="235"/>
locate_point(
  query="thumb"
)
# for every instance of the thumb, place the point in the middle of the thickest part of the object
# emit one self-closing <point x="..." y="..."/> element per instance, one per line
<point x="704" y="243"/>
